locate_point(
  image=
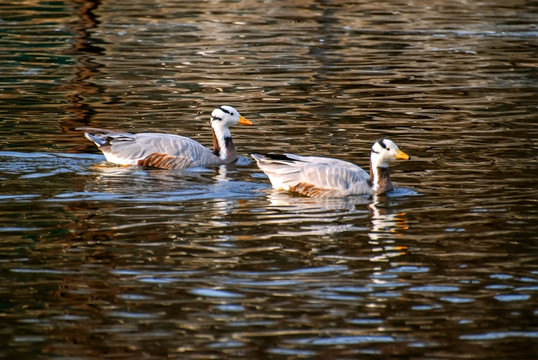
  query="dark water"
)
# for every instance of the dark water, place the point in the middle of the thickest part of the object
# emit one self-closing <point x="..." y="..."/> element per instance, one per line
<point x="99" y="261"/>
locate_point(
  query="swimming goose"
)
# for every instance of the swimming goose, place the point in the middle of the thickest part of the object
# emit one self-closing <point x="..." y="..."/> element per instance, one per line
<point x="327" y="177"/>
<point x="168" y="151"/>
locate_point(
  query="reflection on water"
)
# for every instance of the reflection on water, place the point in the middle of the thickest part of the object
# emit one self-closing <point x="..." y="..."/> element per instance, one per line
<point x="386" y="227"/>
<point x="104" y="261"/>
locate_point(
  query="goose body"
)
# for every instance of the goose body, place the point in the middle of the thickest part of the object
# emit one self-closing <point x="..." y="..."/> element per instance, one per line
<point x="328" y="177"/>
<point x="169" y="151"/>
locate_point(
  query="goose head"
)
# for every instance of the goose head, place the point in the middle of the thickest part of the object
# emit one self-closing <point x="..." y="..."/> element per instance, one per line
<point x="384" y="152"/>
<point x="225" y="117"/>
<point x="222" y="118"/>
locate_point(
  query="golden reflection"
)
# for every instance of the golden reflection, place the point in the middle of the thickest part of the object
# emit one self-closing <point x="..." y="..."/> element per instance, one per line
<point x="81" y="87"/>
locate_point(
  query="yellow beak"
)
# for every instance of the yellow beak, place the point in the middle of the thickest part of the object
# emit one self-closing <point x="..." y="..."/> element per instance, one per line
<point x="244" y="121"/>
<point x="401" y="155"/>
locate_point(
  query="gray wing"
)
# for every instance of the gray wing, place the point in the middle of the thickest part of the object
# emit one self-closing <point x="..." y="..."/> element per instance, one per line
<point x="146" y="144"/>
<point x="152" y="149"/>
<point x="314" y="176"/>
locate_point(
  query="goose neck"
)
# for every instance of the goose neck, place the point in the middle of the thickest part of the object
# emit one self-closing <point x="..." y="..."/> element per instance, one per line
<point x="223" y="146"/>
<point x="380" y="178"/>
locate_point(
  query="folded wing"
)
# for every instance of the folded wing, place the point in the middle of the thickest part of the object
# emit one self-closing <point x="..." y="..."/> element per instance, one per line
<point x="151" y="149"/>
<point x="314" y="176"/>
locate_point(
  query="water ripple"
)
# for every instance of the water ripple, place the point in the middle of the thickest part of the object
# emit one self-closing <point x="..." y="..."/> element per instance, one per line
<point x="213" y="263"/>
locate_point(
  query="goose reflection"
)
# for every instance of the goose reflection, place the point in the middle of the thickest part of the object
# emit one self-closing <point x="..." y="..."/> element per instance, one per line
<point x="316" y="216"/>
<point x="149" y="185"/>
<point x="299" y="203"/>
<point x="387" y="226"/>
<point x="329" y="216"/>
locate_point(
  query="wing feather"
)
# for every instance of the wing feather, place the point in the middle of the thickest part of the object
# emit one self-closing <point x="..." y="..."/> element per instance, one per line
<point x="314" y="176"/>
<point x="151" y="149"/>
<point x="165" y="161"/>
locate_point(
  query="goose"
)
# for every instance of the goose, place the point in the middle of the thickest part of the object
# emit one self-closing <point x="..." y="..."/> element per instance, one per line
<point x="328" y="177"/>
<point x="169" y="151"/>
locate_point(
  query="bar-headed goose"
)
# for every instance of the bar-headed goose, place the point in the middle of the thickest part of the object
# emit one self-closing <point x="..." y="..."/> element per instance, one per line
<point x="168" y="151"/>
<point x="327" y="177"/>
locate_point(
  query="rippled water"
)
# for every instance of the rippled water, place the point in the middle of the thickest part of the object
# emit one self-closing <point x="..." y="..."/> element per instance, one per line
<point x="100" y="261"/>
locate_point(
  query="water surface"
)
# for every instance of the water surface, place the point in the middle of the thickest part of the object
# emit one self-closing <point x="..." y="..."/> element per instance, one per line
<point x="99" y="261"/>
